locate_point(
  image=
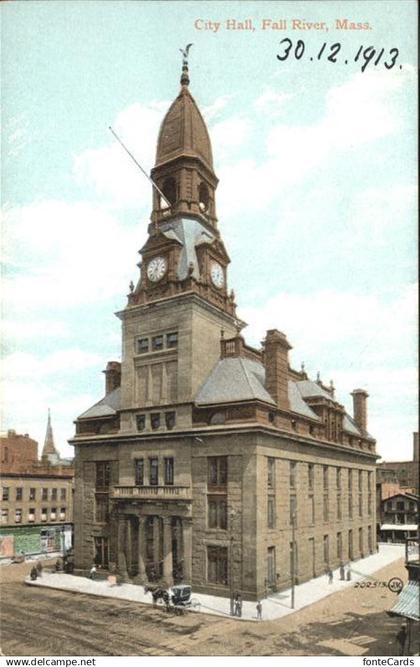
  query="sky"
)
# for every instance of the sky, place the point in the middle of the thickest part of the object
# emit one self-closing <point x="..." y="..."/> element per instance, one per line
<point x="316" y="201"/>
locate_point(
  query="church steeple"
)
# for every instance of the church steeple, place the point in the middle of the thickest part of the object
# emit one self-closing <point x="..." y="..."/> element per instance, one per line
<point x="49" y="452"/>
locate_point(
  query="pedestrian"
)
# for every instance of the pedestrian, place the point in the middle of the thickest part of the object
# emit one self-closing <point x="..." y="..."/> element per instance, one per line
<point x="342" y="572"/>
<point x="348" y="574"/>
<point x="259" y="610"/>
<point x="402" y="638"/>
<point x="330" y="576"/>
<point x="92" y="573"/>
<point x="34" y="573"/>
<point x="39" y="568"/>
<point x="238" y="605"/>
<point x="58" y="565"/>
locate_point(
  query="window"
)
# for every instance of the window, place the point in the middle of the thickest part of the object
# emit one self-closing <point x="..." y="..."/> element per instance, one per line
<point x="63" y="494"/>
<point x="157" y="343"/>
<point x="18" y="516"/>
<point x="350" y="481"/>
<point x="271" y="566"/>
<point x="169" y="470"/>
<point x="271" y="512"/>
<point x="339" y="513"/>
<point x="53" y="514"/>
<point x="170" y="420"/>
<point x="326" y="549"/>
<point x="101" y="551"/>
<point x="103" y="474"/>
<point x="62" y="514"/>
<point x="141" y="422"/>
<point x="361" y="540"/>
<point x="369" y="481"/>
<point x="338" y="478"/>
<point x="311" y="510"/>
<point x="53" y="494"/>
<point x="139" y="472"/>
<point x="217" y="471"/>
<point x="339" y="546"/>
<point x="101" y="507"/>
<point x="44" y="494"/>
<point x="19" y="493"/>
<point x="142" y="345"/>
<point x="155" y="420"/>
<point x="325" y="507"/>
<point x="217" y="565"/>
<point x="350" y="544"/>
<point x="44" y="514"/>
<point x="32" y="494"/>
<point x="5" y="493"/>
<point x="172" y="339"/>
<point x="203" y="197"/>
<point x="325" y="476"/>
<point x="369" y="504"/>
<point x="292" y="474"/>
<point x="360" y="480"/>
<point x="271" y="470"/>
<point x="217" y="512"/>
<point x="360" y="504"/>
<point x="370" y="539"/>
<point x="311" y="475"/>
<point x="153" y="472"/>
<point x="5" y="516"/>
<point x="400" y="504"/>
<point x="31" y="515"/>
<point x="293" y="509"/>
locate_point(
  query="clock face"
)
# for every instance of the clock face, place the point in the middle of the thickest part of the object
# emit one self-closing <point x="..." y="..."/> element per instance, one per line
<point x="216" y="274"/>
<point x="156" y="269"/>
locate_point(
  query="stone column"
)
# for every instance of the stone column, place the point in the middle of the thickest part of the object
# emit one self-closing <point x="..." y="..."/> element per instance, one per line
<point x="187" y="549"/>
<point x="122" y="562"/>
<point x="141" y="577"/>
<point x="167" y="551"/>
<point x="156" y="543"/>
<point x="129" y="545"/>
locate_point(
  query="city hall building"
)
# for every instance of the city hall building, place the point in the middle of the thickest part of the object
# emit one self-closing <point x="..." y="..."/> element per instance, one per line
<point x="209" y="461"/>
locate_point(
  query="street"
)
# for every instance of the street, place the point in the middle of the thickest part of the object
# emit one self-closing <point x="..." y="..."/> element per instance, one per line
<point x="50" y="622"/>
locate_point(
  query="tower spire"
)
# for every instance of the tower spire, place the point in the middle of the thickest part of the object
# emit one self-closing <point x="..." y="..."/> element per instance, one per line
<point x="185" y="79"/>
<point x="49" y="452"/>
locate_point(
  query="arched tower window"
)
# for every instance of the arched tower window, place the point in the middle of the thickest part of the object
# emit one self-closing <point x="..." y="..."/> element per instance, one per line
<point x="203" y="197"/>
<point x="169" y="190"/>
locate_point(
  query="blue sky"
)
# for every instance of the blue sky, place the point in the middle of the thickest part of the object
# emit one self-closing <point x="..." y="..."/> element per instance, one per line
<point x="316" y="200"/>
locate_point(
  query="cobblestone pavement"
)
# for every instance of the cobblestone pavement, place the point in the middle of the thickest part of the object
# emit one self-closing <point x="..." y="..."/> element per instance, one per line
<point x="49" y="622"/>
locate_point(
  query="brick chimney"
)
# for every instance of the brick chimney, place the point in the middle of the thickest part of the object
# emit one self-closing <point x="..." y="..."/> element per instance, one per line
<point x="416" y="446"/>
<point x="276" y="349"/>
<point x="112" y="376"/>
<point x="360" y="408"/>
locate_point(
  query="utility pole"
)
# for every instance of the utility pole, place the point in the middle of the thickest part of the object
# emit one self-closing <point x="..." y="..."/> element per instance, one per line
<point x="232" y="591"/>
<point x="292" y="564"/>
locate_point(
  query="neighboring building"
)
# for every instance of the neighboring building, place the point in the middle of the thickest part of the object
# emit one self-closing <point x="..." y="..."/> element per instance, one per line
<point x="407" y="473"/>
<point x="205" y="452"/>
<point x="407" y="605"/>
<point x="36" y="512"/>
<point x="17" y="452"/>
<point x="387" y="485"/>
<point x="399" y="517"/>
<point x="36" y="497"/>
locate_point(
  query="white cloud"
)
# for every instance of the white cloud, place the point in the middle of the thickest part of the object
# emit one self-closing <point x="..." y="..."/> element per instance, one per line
<point x="67" y="254"/>
<point x="110" y="171"/>
<point x="271" y="102"/>
<point x="229" y="135"/>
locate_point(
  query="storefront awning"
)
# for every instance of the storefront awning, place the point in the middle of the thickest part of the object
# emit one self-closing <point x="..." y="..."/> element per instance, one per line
<point x="408" y="602"/>
<point x="399" y="526"/>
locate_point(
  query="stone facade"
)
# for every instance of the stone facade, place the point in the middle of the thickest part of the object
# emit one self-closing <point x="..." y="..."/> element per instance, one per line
<point x="209" y="461"/>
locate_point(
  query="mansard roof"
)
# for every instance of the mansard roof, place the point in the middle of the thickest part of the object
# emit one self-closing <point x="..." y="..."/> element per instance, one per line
<point x="234" y="379"/>
<point x="106" y="407"/>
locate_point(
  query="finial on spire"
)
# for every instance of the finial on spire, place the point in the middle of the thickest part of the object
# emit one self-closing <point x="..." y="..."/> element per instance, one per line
<point x="185" y="79"/>
<point x="302" y="367"/>
<point x="318" y="377"/>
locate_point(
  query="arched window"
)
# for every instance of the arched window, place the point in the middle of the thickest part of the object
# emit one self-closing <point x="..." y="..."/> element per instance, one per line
<point x="169" y="190"/>
<point x="203" y="197"/>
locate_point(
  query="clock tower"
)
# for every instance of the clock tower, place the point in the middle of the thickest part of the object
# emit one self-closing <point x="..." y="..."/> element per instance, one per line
<point x="182" y="294"/>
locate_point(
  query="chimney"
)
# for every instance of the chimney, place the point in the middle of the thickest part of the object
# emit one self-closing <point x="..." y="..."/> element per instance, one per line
<point x="112" y="376"/>
<point x="360" y="408"/>
<point x="276" y="349"/>
<point x="416" y="446"/>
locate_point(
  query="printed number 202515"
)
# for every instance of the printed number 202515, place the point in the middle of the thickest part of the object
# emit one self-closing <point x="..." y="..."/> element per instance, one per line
<point x="330" y="53"/>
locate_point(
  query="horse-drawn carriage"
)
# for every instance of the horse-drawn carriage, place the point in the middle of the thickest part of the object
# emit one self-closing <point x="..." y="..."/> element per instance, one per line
<point x="177" y="598"/>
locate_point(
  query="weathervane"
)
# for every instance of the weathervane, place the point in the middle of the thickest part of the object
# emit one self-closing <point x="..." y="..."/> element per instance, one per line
<point x="185" y="79"/>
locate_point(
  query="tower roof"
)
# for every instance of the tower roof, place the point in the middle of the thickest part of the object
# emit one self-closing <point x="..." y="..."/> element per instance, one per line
<point x="183" y="131"/>
<point x="49" y="446"/>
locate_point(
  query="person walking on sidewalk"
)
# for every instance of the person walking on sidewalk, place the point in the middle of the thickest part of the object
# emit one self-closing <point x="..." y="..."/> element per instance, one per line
<point x="330" y="575"/>
<point x="92" y="573"/>
<point x="39" y="568"/>
<point x="259" y="610"/>
<point x="402" y="638"/>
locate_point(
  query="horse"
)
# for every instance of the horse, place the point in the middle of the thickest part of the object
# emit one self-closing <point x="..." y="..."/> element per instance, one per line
<point x="158" y="594"/>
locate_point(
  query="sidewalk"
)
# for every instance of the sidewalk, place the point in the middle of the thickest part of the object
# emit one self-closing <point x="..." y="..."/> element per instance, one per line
<point x="276" y="606"/>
